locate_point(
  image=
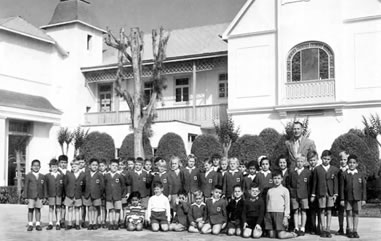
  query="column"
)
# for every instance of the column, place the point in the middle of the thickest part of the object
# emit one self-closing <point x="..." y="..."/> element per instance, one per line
<point x="3" y="151"/>
<point x="194" y="78"/>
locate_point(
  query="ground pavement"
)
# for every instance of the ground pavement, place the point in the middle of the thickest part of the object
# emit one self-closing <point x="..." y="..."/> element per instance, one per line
<point x="13" y="220"/>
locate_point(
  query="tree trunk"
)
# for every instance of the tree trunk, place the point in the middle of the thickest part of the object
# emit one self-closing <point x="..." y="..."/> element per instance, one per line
<point x="138" y="142"/>
<point x="226" y="147"/>
<point x="18" y="172"/>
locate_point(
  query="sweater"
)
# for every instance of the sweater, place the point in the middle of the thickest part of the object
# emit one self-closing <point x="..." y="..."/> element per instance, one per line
<point x="158" y="204"/>
<point x="234" y="210"/>
<point x="278" y="200"/>
<point x="252" y="209"/>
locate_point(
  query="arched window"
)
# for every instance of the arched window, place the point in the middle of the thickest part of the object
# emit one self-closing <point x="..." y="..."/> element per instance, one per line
<point x="310" y="61"/>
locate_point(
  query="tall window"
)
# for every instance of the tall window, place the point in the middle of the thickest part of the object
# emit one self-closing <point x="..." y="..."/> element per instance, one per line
<point x="182" y="89"/>
<point x="223" y="85"/>
<point x="89" y="42"/>
<point x="105" y="97"/>
<point x="310" y="61"/>
<point x="148" y="88"/>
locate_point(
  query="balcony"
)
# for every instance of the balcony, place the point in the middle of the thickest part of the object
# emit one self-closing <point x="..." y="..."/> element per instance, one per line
<point x="203" y="115"/>
<point x="316" y="91"/>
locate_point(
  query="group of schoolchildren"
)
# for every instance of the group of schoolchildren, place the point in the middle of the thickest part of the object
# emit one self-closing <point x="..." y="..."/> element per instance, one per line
<point x="250" y="200"/>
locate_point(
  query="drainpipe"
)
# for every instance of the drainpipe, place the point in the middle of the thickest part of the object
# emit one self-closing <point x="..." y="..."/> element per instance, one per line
<point x="277" y="92"/>
<point x="194" y="92"/>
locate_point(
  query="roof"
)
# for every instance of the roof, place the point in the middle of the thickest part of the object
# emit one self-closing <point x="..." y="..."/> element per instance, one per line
<point x="24" y="101"/>
<point x="20" y="26"/>
<point x="70" y="11"/>
<point x="188" y="42"/>
<point x="237" y="18"/>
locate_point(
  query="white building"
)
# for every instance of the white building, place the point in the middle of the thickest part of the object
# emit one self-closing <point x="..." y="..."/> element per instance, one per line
<point x="60" y="75"/>
<point x="311" y="58"/>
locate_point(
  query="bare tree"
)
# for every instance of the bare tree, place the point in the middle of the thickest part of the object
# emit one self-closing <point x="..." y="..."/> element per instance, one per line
<point x="130" y="48"/>
<point x="227" y="134"/>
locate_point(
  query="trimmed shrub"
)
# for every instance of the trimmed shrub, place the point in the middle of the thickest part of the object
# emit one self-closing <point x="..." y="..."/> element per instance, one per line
<point x="353" y="144"/>
<point x="127" y="148"/>
<point x="8" y="194"/>
<point x="279" y="149"/>
<point x="98" y="145"/>
<point x="204" y="146"/>
<point x="369" y="141"/>
<point x="249" y="148"/>
<point x="171" y="144"/>
<point x="270" y="138"/>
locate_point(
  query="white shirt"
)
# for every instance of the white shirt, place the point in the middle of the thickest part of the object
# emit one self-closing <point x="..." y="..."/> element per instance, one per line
<point x="158" y="204"/>
<point x="36" y="174"/>
<point x="233" y="171"/>
<point x="299" y="170"/>
<point x="344" y="168"/>
<point x="139" y="172"/>
<point x="266" y="172"/>
<point x="352" y="172"/>
<point x="326" y="167"/>
<point x="190" y="169"/>
<point x="207" y="173"/>
<point x="54" y="174"/>
<point x="76" y="174"/>
<point x="251" y="176"/>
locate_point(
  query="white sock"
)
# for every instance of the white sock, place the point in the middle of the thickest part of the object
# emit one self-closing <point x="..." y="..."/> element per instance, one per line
<point x="37" y="223"/>
<point x="302" y="229"/>
<point x="30" y="223"/>
<point x="50" y="223"/>
<point x="58" y="223"/>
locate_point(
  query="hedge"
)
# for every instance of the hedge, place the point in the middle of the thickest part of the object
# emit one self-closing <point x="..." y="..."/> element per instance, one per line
<point x="279" y="149"/>
<point x="8" y="194"/>
<point x="98" y="145"/>
<point x="171" y="144"/>
<point x="204" y="146"/>
<point x="249" y="148"/>
<point x="369" y="141"/>
<point x="127" y="148"/>
<point x="353" y="144"/>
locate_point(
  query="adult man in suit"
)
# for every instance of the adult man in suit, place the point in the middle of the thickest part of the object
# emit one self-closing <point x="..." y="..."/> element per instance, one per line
<point x="299" y="145"/>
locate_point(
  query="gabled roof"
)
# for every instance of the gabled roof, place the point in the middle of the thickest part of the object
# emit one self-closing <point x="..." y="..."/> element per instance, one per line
<point x="19" y="26"/>
<point x="201" y="41"/>
<point x="28" y="102"/>
<point x="72" y="11"/>
<point x="237" y="18"/>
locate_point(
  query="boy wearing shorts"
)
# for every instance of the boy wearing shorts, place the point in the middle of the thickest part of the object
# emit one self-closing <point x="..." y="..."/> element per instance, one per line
<point x="325" y="187"/>
<point x="158" y="213"/>
<point x="74" y="183"/>
<point x="209" y="179"/>
<point x="62" y="168"/>
<point x="114" y="190"/>
<point x="191" y="177"/>
<point x="54" y="190"/>
<point x="353" y="194"/>
<point x="278" y="209"/>
<point x="94" y="188"/>
<point x="34" y="194"/>
<point x="196" y="213"/>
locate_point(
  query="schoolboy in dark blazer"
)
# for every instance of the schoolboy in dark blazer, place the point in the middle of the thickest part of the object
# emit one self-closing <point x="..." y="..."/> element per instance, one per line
<point x="208" y="179"/>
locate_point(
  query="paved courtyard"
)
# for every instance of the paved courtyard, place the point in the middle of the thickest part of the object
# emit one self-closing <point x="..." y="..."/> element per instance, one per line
<point x="13" y="228"/>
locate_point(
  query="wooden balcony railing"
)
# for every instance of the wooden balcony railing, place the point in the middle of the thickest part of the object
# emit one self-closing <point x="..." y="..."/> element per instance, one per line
<point x="316" y="91"/>
<point x="204" y="115"/>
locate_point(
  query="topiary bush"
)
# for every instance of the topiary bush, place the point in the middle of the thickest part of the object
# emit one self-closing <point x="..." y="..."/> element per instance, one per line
<point x="204" y="146"/>
<point x="353" y="144"/>
<point x="8" y="194"/>
<point x="250" y="147"/>
<point x="370" y="141"/>
<point x="270" y="138"/>
<point x="98" y="145"/>
<point x="279" y="149"/>
<point x="127" y="148"/>
<point x="171" y="144"/>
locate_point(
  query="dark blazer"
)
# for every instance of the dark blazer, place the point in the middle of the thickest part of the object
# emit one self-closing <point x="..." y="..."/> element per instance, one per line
<point x="196" y="212"/>
<point x="234" y="210"/>
<point x="94" y="185"/>
<point x="299" y="185"/>
<point x="264" y="182"/>
<point x="246" y="184"/>
<point x="54" y="187"/>
<point x="114" y="187"/>
<point x="353" y="187"/>
<point x="208" y="182"/>
<point x="181" y="211"/>
<point x="230" y="180"/>
<point x="216" y="212"/>
<point x="164" y="179"/>
<point x="140" y="183"/>
<point x="34" y="187"/>
<point x="74" y="187"/>
<point x="176" y="182"/>
<point x="325" y="182"/>
<point x="191" y="179"/>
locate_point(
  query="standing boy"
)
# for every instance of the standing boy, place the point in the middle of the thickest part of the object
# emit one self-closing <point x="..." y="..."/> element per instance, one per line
<point x="62" y="168"/>
<point x="53" y="192"/>
<point x="278" y="209"/>
<point x="115" y="189"/>
<point x="140" y="181"/>
<point x="340" y="215"/>
<point x="162" y="177"/>
<point x="191" y="178"/>
<point x="94" y="188"/>
<point x="353" y="194"/>
<point x="248" y="179"/>
<point x="312" y="212"/>
<point x="208" y="179"/>
<point x="175" y="180"/>
<point x="34" y="194"/>
<point x="325" y="187"/>
<point x="232" y="178"/>
<point x="298" y="184"/>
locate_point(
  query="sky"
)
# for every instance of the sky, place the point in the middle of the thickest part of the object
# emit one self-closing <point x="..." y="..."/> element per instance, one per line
<point x="145" y="14"/>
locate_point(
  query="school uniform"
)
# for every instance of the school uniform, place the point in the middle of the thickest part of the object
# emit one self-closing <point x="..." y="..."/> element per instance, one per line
<point x="127" y="186"/>
<point x="176" y="183"/>
<point x="34" y="189"/>
<point x="253" y="212"/>
<point x="208" y="180"/>
<point x="196" y="212"/>
<point x="181" y="216"/>
<point x="298" y="185"/>
<point x="94" y="188"/>
<point x="215" y="211"/>
<point x="221" y="173"/>
<point x="230" y="179"/>
<point x="264" y="180"/>
<point x="114" y="190"/>
<point x="312" y="212"/>
<point x="191" y="181"/>
<point x="285" y="176"/>
<point x="164" y="179"/>
<point x="353" y="189"/>
<point x="248" y="180"/>
<point x="234" y="210"/>
<point x="74" y="188"/>
<point x="325" y="185"/>
<point x="54" y="186"/>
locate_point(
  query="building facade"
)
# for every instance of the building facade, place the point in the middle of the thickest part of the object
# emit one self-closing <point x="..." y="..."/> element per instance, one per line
<point x="305" y="58"/>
